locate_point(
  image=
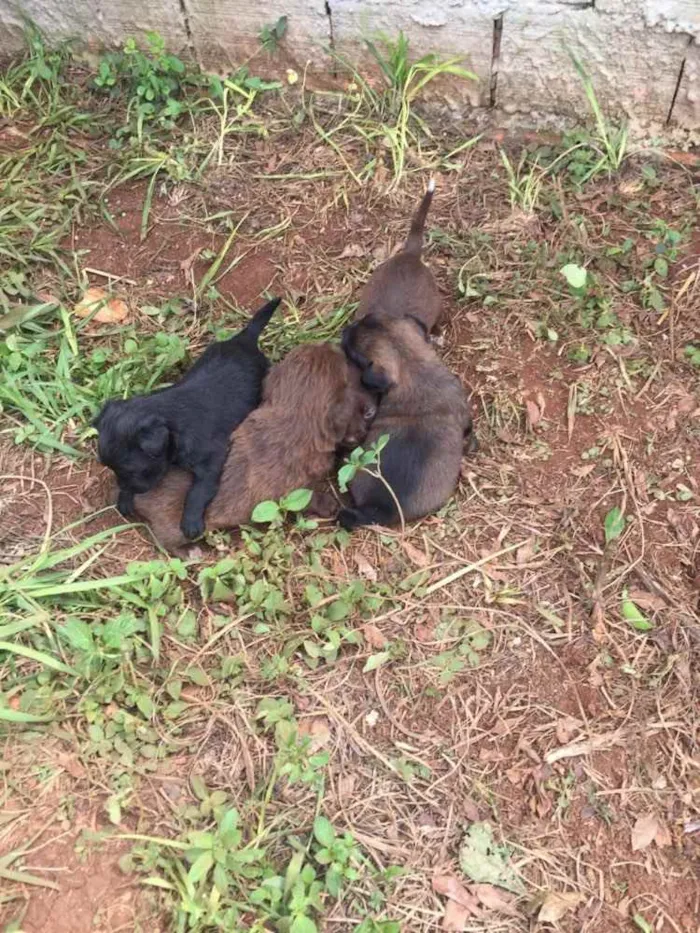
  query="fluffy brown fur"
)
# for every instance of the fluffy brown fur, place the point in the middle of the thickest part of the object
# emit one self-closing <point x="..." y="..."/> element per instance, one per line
<point x="425" y="412"/>
<point x="312" y="403"/>
<point x="403" y="285"/>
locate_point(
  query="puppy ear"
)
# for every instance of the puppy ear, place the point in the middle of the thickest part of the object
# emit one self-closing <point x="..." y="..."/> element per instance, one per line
<point x="376" y="380"/>
<point x="348" y="346"/>
<point x="153" y="437"/>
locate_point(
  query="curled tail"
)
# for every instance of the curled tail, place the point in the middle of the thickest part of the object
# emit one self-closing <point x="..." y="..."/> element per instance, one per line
<point x="414" y="241"/>
<point x="260" y="320"/>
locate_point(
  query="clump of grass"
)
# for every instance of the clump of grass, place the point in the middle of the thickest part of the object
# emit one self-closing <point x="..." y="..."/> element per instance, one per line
<point x="389" y="116"/>
<point x="52" y="388"/>
<point x="524" y="182"/>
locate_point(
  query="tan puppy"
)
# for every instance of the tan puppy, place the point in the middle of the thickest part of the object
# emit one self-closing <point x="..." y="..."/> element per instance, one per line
<point x="403" y="285"/>
<point x="312" y="403"/>
<point x="424" y="410"/>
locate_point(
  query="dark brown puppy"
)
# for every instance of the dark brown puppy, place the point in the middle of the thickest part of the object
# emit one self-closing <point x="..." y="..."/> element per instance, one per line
<point x="403" y="285"/>
<point x="313" y="402"/>
<point x="424" y="410"/>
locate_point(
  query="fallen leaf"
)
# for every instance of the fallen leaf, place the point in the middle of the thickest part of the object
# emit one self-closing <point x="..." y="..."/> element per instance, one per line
<point x="644" y="831"/>
<point x="318" y="730"/>
<point x="451" y="887"/>
<point x="71" y="764"/>
<point x="353" y="251"/>
<point x="373" y="636"/>
<point x="525" y="553"/>
<point x="595" y="744"/>
<point x="484" y="861"/>
<point x="425" y="634"/>
<point x="365" y="569"/>
<point x="104" y="310"/>
<point x="417" y="557"/>
<point x="534" y="415"/>
<point x="555" y="905"/>
<point x="470" y="810"/>
<point x="456" y="917"/>
<point x="495" y="899"/>
<point x="663" y="837"/>
<point x="566" y="728"/>
<point x="187" y="263"/>
<point x="346" y="787"/>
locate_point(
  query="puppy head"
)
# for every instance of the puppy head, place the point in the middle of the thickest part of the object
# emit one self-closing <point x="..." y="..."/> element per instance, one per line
<point x="362" y="408"/>
<point x="314" y="383"/>
<point x="380" y="345"/>
<point x="134" y="444"/>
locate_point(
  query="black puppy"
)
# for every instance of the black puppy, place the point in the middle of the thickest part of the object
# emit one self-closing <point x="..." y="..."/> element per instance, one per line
<point x="187" y="425"/>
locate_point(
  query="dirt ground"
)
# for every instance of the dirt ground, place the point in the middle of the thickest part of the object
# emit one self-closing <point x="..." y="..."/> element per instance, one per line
<point x="570" y="731"/>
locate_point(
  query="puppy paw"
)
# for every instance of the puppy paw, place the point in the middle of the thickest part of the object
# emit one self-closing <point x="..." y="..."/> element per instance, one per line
<point x="192" y="526"/>
<point x="349" y="519"/>
<point x="125" y="503"/>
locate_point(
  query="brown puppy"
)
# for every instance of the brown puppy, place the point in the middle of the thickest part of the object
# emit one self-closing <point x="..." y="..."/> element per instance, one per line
<point x="424" y="410"/>
<point x="312" y="403"/>
<point x="403" y="284"/>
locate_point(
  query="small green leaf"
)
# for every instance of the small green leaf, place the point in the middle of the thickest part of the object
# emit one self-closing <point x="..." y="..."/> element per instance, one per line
<point x="78" y="634"/>
<point x="381" y="442"/>
<point x="201" y="867"/>
<point x="145" y="705"/>
<point x="221" y="879"/>
<point x="267" y="511"/>
<point x="614" y="524"/>
<point x="297" y="500"/>
<point x="302" y="924"/>
<point x="575" y="275"/>
<point x="376" y="660"/>
<point x="114" y="810"/>
<point x="324" y="831"/>
<point x="643" y="924"/>
<point x="632" y="614"/>
<point x="346" y="475"/>
<point x="199" y="787"/>
<point x="661" y="266"/>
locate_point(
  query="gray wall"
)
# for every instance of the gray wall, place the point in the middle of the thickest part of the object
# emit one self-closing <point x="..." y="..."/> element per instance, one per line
<point x="643" y="55"/>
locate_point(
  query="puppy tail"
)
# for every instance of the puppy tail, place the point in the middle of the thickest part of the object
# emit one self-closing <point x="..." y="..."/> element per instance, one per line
<point x="414" y="241"/>
<point x="260" y="320"/>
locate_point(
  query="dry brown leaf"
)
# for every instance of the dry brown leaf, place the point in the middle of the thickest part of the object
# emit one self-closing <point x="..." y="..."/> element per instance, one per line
<point x="525" y="553"/>
<point x="566" y="728"/>
<point x="534" y="415"/>
<point x="373" y="636"/>
<point x="451" y="887"/>
<point x="555" y="905"/>
<point x="419" y="558"/>
<point x="187" y="264"/>
<point x="425" y="634"/>
<point x="470" y="810"/>
<point x="663" y="837"/>
<point x="346" y="787"/>
<point x="456" y="917"/>
<point x="495" y="898"/>
<point x="365" y="569"/>
<point x="71" y="764"/>
<point x="645" y="600"/>
<point x="644" y="832"/>
<point x="107" y="310"/>
<point x="353" y="251"/>
<point x="318" y="730"/>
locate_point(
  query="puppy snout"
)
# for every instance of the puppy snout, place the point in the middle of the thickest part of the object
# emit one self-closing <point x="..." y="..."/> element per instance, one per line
<point x="370" y="412"/>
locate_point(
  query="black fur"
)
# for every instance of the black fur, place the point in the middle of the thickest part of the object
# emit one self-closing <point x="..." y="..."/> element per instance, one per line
<point x="186" y="425"/>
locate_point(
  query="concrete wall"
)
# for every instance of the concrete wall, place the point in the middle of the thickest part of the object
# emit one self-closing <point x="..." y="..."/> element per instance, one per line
<point x="643" y="55"/>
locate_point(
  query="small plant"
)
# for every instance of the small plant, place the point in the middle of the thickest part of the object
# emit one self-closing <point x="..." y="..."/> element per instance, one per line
<point x="359" y="461"/>
<point x="692" y="353"/>
<point x="610" y="141"/>
<point x="272" y="34"/>
<point x="524" y="182"/>
<point x="151" y="80"/>
<point x="275" y="513"/>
